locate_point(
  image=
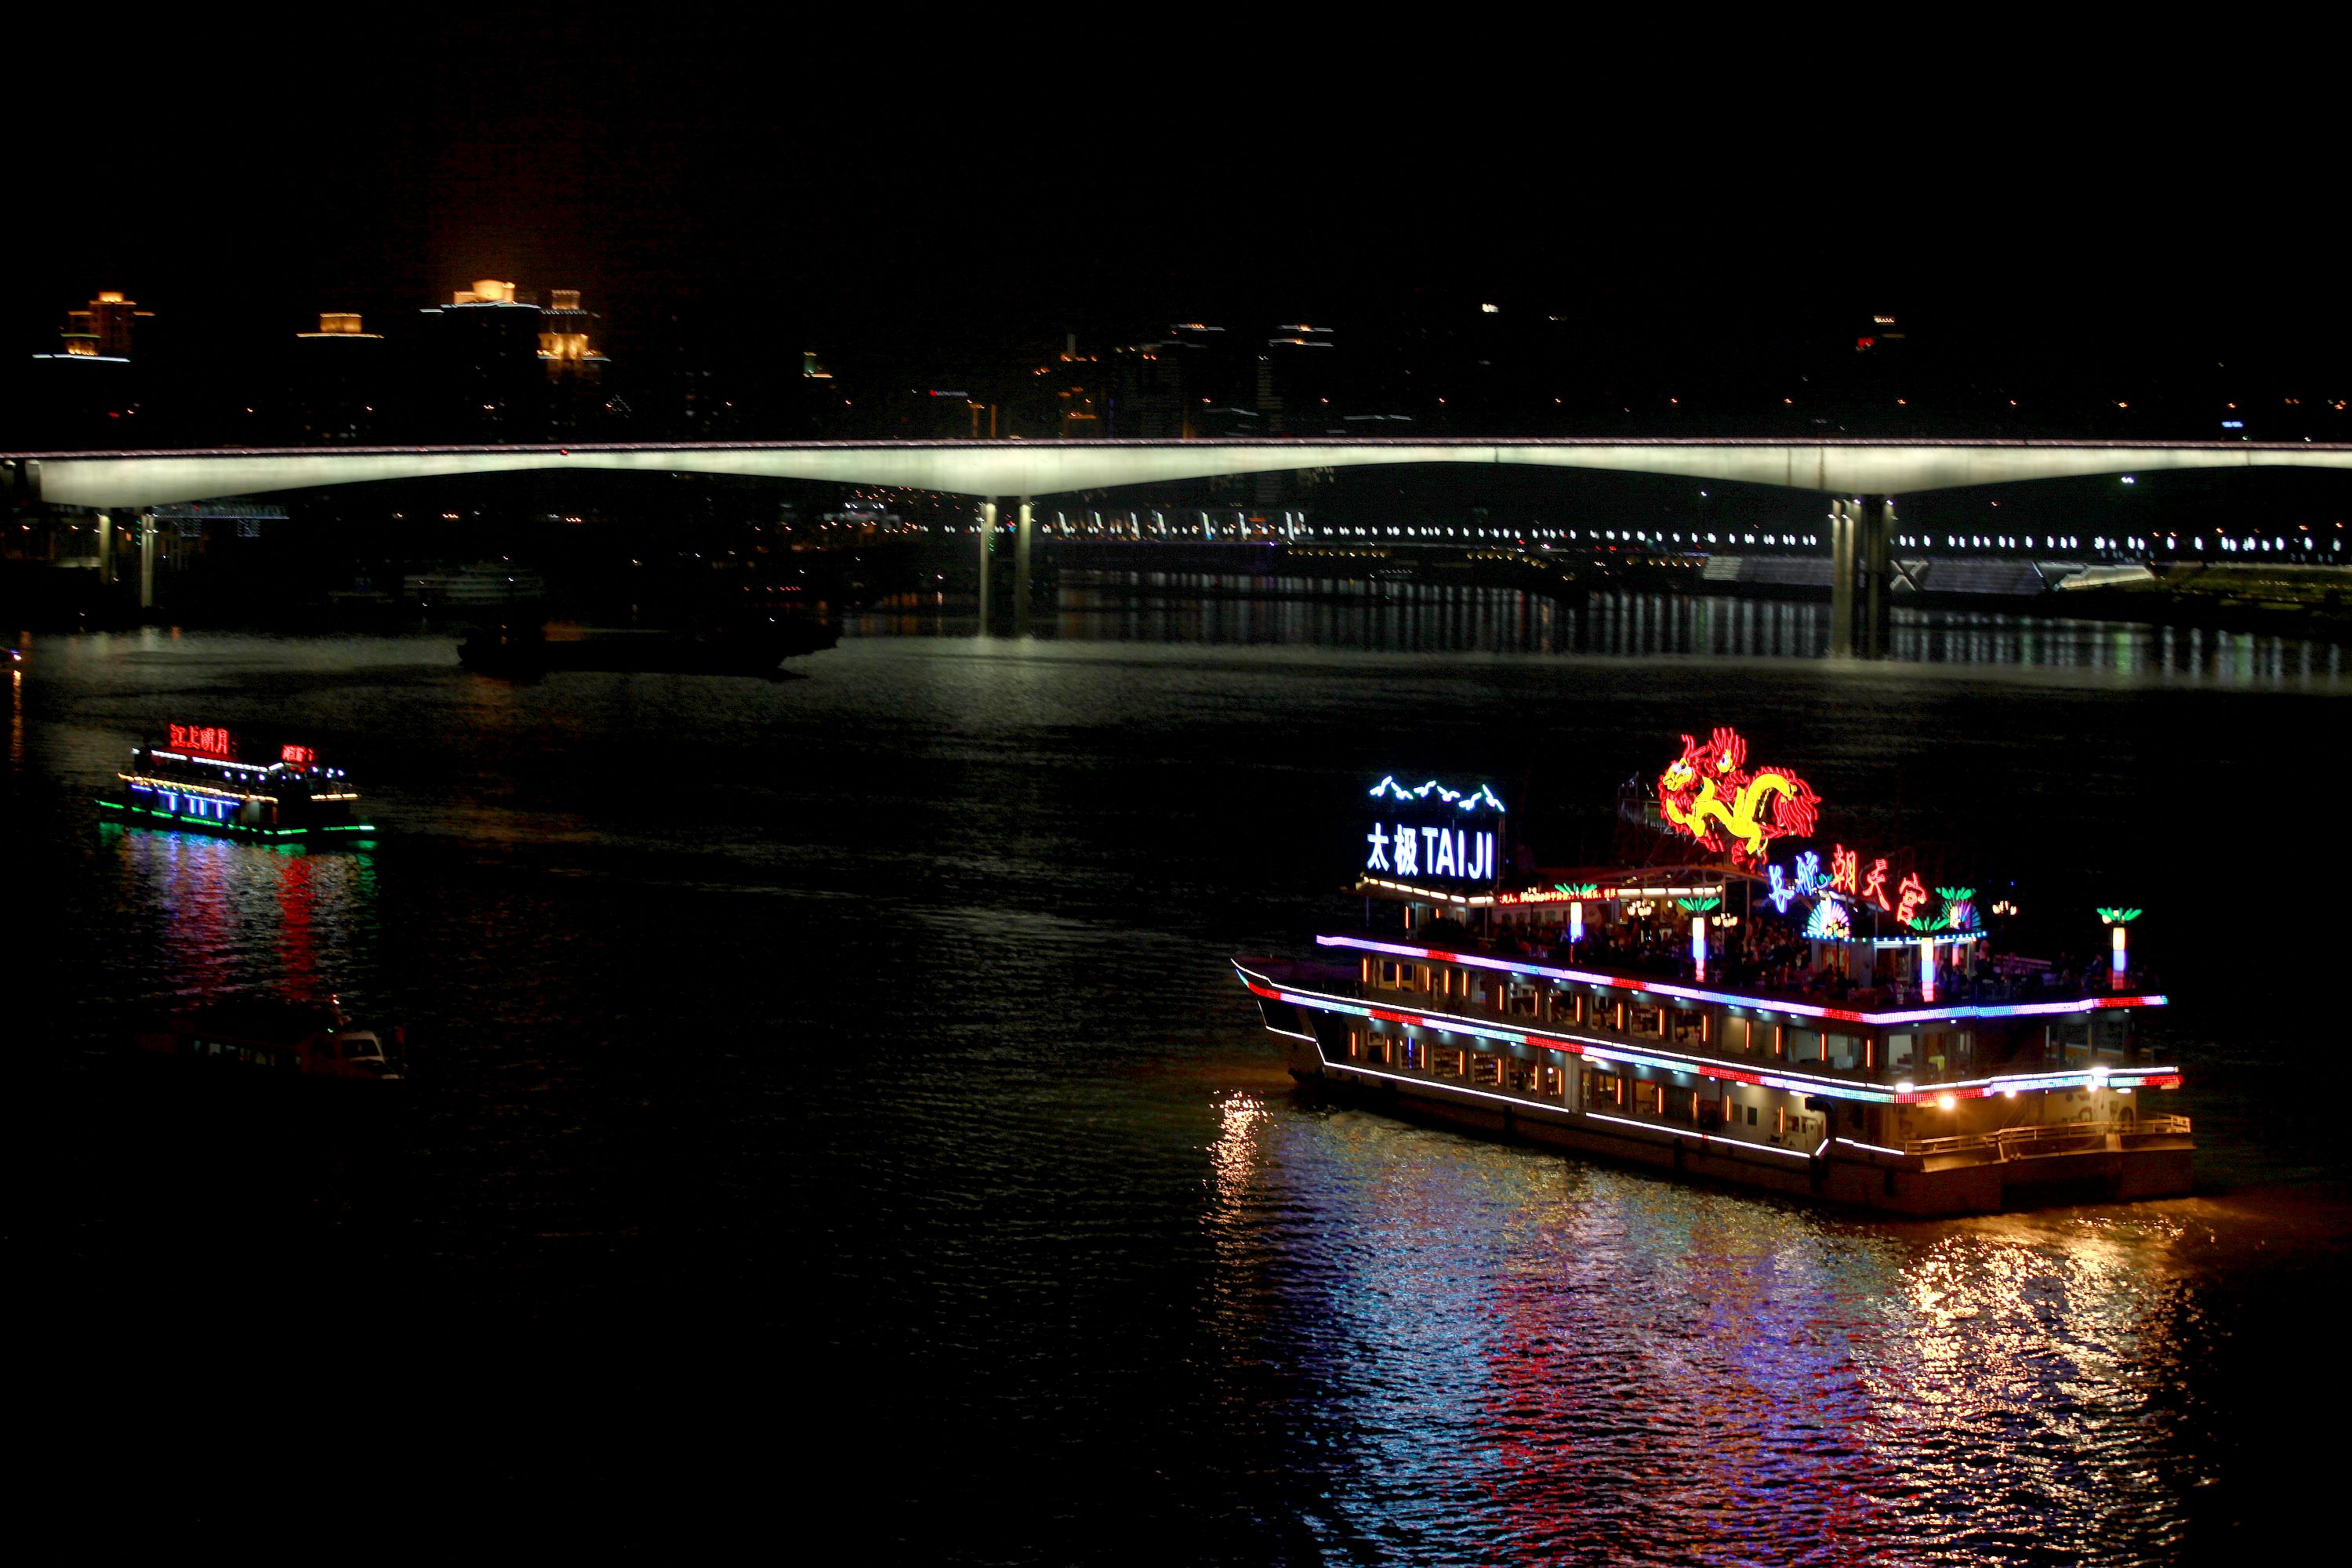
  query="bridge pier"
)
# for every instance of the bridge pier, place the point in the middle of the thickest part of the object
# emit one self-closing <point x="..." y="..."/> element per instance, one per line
<point x="146" y="560"/>
<point x="1877" y="583"/>
<point x="1861" y="571"/>
<point x="1844" y="520"/>
<point x="1024" y="540"/>
<point x="987" y="550"/>
<point x="105" y="548"/>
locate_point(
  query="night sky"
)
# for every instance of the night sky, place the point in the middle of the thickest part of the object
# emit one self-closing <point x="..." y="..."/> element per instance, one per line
<point x="999" y="189"/>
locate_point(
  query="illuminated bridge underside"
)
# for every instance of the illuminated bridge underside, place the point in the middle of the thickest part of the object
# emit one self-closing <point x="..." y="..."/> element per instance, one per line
<point x="134" y="479"/>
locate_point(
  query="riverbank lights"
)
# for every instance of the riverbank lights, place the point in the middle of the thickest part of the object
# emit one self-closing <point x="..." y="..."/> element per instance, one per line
<point x="1926" y="972"/>
<point x="1698" y="944"/>
<point x="1576" y="922"/>
<point x="2120" y="960"/>
<point x="1945" y="1102"/>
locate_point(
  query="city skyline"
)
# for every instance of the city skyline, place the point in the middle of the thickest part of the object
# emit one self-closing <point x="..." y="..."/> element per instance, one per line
<point x="693" y="178"/>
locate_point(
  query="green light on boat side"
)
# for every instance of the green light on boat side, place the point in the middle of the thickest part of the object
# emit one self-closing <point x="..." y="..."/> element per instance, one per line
<point x="211" y="826"/>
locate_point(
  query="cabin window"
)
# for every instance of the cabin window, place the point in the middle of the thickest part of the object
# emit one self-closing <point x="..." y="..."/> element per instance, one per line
<point x="1804" y="1044"/>
<point x="1648" y="1098"/>
<point x="1649" y="1021"/>
<point x="1523" y="1001"/>
<point x="1605" y="1088"/>
<point x="1486" y="1071"/>
<point x="1735" y="1035"/>
<point x="1409" y="1053"/>
<point x="1944" y="1051"/>
<point x="1689" y="1025"/>
<point x="2110" y="1038"/>
<point x="1841" y="1051"/>
<point x="1898" y="1050"/>
<point x="1547" y="1083"/>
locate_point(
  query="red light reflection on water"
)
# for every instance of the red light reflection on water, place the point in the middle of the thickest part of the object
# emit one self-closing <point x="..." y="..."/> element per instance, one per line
<point x="1521" y="1357"/>
<point x="221" y="916"/>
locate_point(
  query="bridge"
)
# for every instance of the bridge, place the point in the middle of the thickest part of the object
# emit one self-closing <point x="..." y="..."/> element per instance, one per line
<point x="1861" y="478"/>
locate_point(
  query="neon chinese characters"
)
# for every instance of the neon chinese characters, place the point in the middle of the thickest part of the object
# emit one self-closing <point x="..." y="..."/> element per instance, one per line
<point x="203" y="740"/>
<point x="1709" y="794"/>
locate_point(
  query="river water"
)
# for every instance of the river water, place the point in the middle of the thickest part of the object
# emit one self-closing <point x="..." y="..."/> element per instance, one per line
<point x="834" y="1125"/>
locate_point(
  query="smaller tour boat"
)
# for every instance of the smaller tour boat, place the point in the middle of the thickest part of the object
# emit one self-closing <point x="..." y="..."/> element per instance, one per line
<point x="286" y="1038"/>
<point x="207" y="780"/>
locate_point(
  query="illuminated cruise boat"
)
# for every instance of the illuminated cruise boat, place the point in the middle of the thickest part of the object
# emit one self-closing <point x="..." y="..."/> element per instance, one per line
<point x="204" y="780"/>
<point x="1820" y="1022"/>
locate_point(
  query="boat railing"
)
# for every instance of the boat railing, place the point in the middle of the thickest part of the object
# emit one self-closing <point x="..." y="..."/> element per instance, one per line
<point x="2021" y="1142"/>
<point x="1738" y="972"/>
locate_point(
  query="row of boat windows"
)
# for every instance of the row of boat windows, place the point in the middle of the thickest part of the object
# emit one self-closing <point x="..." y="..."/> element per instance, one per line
<point x="1616" y="1093"/>
<point x="351" y="1050"/>
<point x="1936" y="1051"/>
<point x="264" y="1055"/>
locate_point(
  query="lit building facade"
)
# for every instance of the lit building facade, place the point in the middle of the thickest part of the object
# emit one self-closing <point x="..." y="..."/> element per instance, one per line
<point x="564" y="346"/>
<point x="103" y="330"/>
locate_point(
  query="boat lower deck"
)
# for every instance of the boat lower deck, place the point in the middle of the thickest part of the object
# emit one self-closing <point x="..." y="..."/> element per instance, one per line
<point x="2092" y="1162"/>
<point x="133" y="815"/>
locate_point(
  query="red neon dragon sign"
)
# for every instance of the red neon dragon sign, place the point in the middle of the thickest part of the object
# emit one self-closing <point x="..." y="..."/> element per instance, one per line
<point x="1709" y="794"/>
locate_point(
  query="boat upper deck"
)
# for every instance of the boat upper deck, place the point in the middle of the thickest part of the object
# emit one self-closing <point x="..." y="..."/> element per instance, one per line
<point x="2013" y="989"/>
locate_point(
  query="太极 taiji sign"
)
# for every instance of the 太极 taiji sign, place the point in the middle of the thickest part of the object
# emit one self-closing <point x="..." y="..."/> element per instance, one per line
<point x="1708" y="793"/>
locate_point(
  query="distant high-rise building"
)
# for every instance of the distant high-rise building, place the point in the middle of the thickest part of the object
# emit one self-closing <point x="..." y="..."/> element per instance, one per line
<point x="341" y="379"/>
<point x="479" y="361"/>
<point x="564" y="346"/>
<point x="339" y="324"/>
<point x="1078" y="412"/>
<point x="104" y="330"/>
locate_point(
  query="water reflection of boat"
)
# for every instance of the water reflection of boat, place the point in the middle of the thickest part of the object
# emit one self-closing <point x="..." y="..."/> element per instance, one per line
<point x="283" y="1038"/>
<point x="1688" y="1015"/>
<point x="753" y="649"/>
<point x="210" y="779"/>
